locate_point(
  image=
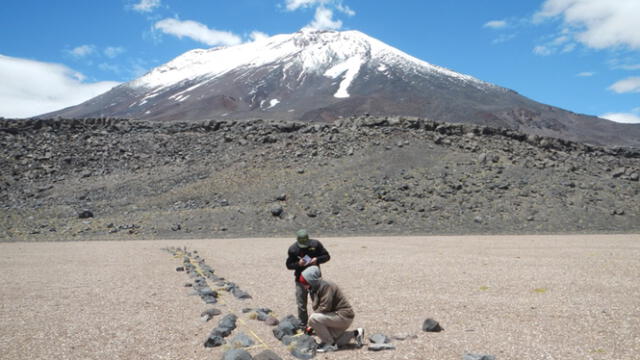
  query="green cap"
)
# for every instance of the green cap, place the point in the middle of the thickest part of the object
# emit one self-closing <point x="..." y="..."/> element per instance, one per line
<point x="303" y="238"/>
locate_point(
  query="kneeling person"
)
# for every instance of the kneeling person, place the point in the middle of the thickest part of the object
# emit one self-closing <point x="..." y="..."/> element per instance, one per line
<point x="332" y="312"/>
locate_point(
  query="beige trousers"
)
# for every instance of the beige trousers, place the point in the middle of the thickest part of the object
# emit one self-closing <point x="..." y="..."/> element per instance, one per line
<point x="331" y="328"/>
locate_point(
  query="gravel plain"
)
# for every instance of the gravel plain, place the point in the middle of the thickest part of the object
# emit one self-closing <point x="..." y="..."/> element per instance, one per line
<point x="515" y="297"/>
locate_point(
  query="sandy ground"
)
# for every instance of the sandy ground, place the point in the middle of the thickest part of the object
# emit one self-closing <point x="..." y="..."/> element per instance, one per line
<point x="516" y="297"/>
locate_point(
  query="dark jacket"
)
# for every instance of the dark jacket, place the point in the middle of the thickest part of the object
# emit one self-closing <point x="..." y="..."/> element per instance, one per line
<point x="295" y="253"/>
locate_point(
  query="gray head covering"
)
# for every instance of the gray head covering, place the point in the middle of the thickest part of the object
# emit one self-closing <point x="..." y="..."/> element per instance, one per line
<point x="312" y="275"/>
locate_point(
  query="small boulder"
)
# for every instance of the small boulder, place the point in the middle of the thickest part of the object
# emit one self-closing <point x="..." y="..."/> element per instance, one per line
<point x="431" y="325"/>
<point x="237" y="354"/>
<point x="478" y="357"/>
<point x="379" y="339"/>
<point x="276" y="210"/>
<point x="267" y="355"/>
<point x="378" y="347"/>
<point x="85" y="214"/>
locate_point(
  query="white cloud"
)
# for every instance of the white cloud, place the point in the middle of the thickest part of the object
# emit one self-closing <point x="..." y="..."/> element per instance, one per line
<point x="297" y="4"/>
<point x="323" y="20"/>
<point x="597" y="24"/>
<point x="197" y="31"/>
<point x="503" y="38"/>
<point x="586" y="74"/>
<point x="146" y="5"/>
<point x="630" y="67"/>
<point x="628" y="85"/>
<point x="627" y="118"/>
<point x="30" y="88"/>
<point x="257" y="36"/>
<point x="495" y="24"/>
<point x="542" y="50"/>
<point x="113" y="51"/>
<point x="345" y="9"/>
<point x="82" y="50"/>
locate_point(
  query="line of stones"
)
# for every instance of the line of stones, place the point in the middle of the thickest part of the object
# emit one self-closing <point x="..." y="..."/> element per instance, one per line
<point x="200" y="273"/>
<point x="287" y="330"/>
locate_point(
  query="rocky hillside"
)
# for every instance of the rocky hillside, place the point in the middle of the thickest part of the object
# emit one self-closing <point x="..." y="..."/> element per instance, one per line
<point x="114" y="179"/>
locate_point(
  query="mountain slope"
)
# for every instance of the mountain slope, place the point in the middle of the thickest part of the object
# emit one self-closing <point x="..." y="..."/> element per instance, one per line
<point x="326" y="75"/>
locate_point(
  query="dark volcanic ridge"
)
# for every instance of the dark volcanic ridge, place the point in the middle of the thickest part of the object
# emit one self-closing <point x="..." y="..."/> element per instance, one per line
<point x="114" y="178"/>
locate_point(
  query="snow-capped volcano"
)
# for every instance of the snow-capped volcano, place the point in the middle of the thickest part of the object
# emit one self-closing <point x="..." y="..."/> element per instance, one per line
<point x="309" y="53"/>
<point x="322" y="76"/>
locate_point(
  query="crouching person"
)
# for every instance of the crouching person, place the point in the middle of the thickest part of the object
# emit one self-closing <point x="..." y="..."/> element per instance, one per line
<point x="332" y="312"/>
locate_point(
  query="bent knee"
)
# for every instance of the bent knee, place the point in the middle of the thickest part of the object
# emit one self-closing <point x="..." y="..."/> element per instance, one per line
<point x="314" y="319"/>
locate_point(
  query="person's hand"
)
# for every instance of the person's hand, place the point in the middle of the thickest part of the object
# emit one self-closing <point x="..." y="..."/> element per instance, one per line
<point x="314" y="261"/>
<point x="301" y="262"/>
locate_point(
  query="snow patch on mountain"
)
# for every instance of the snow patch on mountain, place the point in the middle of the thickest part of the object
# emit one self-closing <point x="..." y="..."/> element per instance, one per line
<point x="350" y="69"/>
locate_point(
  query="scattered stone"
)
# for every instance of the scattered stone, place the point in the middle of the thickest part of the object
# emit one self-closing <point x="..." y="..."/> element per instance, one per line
<point x="241" y="340"/>
<point x="618" y="172"/>
<point x="214" y="341"/>
<point x="224" y="328"/>
<point x="176" y="227"/>
<point x="277" y="210"/>
<point x="209" y="314"/>
<point x="431" y="325"/>
<point x="271" y="321"/>
<point x="478" y="357"/>
<point x="281" y="197"/>
<point x="236" y="354"/>
<point x="302" y="346"/>
<point x="180" y="268"/>
<point x="378" y="347"/>
<point x="379" y="339"/>
<point x="267" y="355"/>
<point x="85" y="214"/>
<point x="287" y="326"/>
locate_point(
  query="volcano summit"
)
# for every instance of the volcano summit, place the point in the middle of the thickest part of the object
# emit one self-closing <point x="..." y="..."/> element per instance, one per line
<point x="326" y="75"/>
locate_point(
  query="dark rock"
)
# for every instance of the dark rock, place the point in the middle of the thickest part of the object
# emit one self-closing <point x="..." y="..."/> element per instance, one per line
<point x="281" y="197"/>
<point x="267" y="355"/>
<point x="618" y="172"/>
<point x="214" y="341"/>
<point x="431" y="325"/>
<point x="176" y="227"/>
<point x="287" y="326"/>
<point x="85" y="214"/>
<point x="180" y="268"/>
<point x="276" y="210"/>
<point x="478" y="357"/>
<point x="241" y="340"/>
<point x="302" y="346"/>
<point x="210" y="313"/>
<point x="236" y="354"/>
<point x="271" y="321"/>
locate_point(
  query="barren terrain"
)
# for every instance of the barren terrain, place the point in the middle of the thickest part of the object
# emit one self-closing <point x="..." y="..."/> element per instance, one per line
<point x="515" y="297"/>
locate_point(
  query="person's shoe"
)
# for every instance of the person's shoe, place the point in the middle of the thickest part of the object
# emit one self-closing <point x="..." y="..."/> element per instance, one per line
<point x="324" y="348"/>
<point x="360" y="337"/>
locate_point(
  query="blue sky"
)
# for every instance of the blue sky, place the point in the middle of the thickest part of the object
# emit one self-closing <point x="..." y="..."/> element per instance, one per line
<point x="580" y="55"/>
